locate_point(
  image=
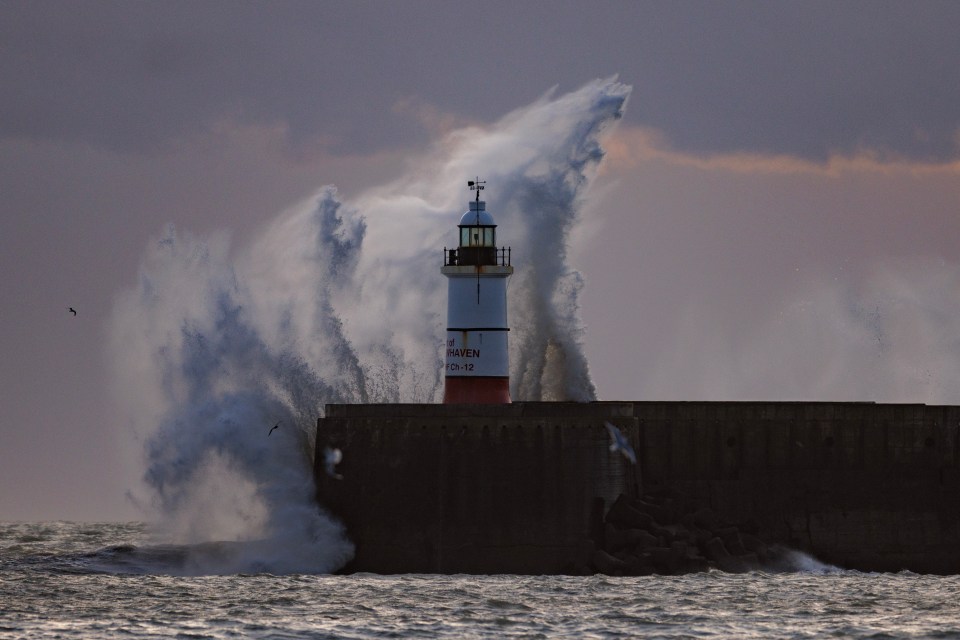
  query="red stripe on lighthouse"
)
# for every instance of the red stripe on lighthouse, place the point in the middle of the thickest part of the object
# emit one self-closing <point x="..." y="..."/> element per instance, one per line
<point x="476" y="390"/>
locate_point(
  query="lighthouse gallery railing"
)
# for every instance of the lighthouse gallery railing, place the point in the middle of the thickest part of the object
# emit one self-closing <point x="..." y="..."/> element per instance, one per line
<point x="470" y="256"/>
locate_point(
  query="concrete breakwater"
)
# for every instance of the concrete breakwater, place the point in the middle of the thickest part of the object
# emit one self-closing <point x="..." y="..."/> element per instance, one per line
<point x="514" y="488"/>
<point x="532" y="487"/>
<point x="874" y="487"/>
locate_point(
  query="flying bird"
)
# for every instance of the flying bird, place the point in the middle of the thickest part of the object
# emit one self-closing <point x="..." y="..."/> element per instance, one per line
<point x="619" y="442"/>
<point x="72" y="310"/>
<point x="274" y="427"/>
<point x="331" y="458"/>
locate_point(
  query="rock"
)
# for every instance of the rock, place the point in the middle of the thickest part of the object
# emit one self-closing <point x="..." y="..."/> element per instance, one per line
<point x="696" y="564"/>
<point x="715" y="550"/>
<point x="645" y="540"/>
<point x="624" y="516"/>
<point x="753" y="544"/>
<point x="681" y="551"/>
<point x="705" y="518"/>
<point x="671" y="512"/>
<point x="678" y="532"/>
<point x="739" y="564"/>
<point x="639" y="565"/>
<point x="607" y="564"/>
<point x="617" y="539"/>
<point x="662" y="494"/>
<point x="664" y="534"/>
<point x="731" y="540"/>
<point x="701" y="536"/>
<point x="655" y="511"/>
<point x="665" y="560"/>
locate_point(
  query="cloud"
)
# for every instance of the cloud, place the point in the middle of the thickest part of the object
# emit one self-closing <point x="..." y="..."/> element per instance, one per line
<point x="772" y="276"/>
<point x="634" y="146"/>
<point x="807" y="80"/>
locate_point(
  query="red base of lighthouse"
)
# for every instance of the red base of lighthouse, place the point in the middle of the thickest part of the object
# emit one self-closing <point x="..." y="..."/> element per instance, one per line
<point x="476" y="390"/>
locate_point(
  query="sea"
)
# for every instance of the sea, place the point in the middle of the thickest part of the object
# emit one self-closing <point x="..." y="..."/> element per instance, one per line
<point x="109" y="580"/>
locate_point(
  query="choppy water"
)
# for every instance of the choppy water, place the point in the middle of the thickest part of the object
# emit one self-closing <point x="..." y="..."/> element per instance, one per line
<point x="108" y="581"/>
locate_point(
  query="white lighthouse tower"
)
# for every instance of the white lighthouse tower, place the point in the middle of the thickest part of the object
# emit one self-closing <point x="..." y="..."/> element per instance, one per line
<point x="477" y="359"/>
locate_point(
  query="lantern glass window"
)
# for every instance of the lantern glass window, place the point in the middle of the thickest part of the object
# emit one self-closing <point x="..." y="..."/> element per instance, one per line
<point x="477" y="236"/>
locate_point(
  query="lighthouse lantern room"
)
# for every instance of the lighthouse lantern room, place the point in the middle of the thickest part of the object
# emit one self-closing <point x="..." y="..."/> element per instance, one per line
<point x="477" y="358"/>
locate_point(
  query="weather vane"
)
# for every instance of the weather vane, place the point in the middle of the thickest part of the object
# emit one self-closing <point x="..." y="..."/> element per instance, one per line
<point x="476" y="185"/>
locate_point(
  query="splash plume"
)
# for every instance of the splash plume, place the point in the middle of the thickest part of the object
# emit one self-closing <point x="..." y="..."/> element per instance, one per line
<point x="342" y="301"/>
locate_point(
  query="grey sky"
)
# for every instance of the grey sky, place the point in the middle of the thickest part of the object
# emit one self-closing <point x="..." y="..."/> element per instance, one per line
<point x="119" y="117"/>
<point x="797" y="77"/>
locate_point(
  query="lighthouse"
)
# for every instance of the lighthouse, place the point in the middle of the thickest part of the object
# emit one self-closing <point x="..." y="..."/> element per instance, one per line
<point x="477" y="358"/>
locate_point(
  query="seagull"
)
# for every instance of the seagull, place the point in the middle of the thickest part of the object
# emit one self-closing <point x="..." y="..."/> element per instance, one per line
<point x="331" y="458"/>
<point x="72" y="310"/>
<point x="618" y="441"/>
<point x="274" y="427"/>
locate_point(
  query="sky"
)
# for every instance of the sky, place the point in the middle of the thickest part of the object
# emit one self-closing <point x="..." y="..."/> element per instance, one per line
<point x="775" y="217"/>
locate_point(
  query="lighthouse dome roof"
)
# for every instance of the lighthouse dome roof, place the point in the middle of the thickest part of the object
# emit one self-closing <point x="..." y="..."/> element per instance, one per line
<point x="477" y="212"/>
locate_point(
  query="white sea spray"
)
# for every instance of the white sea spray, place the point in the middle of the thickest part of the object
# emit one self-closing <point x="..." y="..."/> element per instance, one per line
<point x="341" y="301"/>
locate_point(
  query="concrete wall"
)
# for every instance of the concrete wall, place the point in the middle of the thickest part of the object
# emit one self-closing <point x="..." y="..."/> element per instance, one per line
<point x="866" y="486"/>
<point x="515" y="488"/>
<point x="473" y="488"/>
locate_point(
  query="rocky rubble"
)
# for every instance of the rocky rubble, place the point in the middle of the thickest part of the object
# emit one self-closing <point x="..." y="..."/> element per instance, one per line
<point x="663" y="534"/>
